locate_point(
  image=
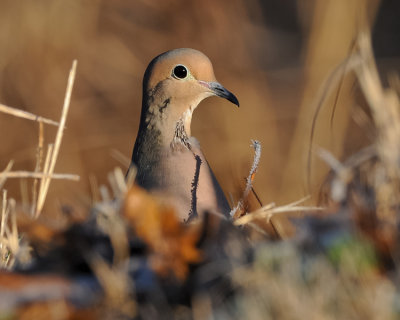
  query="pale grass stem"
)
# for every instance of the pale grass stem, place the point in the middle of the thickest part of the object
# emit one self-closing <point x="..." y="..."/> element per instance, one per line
<point x="9" y="243"/>
<point x="39" y="197"/>
<point x="384" y="105"/>
<point x="120" y="180"/>
<point x="42" y="181"/>
<point x="116" y="284"/>
<point x="4" y="252"/>
<point x="94" y="187"/>
<point x="268" y="211"/>
<point x="130" y="177"/>
<point x="23" y="183"/>
<point x="44" y="187"/>
<point x="118" y="183"/>
<point x="104" y="194"/>
<point x="26" y="115"/>
<point x="38" y="175"/>
<point x="39" y="160"/>
<point x="121" y="158"/>
<point x="13" y="239"/>
<point x="4" y="217"/>
<point x="113" y="183"/>
<point x="3" y="174"/>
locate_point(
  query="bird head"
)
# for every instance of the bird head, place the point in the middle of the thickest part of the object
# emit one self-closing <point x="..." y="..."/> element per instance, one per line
<point x="176" y="81"/>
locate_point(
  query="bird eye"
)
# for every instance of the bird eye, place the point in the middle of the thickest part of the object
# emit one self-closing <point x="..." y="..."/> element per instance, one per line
<point x="180" y="72"/>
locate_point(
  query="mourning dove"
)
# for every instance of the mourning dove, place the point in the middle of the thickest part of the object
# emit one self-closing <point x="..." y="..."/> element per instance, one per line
<point x="168" y="160"/>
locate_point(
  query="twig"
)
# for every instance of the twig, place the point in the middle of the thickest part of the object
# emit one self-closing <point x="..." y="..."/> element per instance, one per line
<point x="257" y="197"/>
<point x="45" y="187"/>
<point x="26" y="115"/>
<point x="257" y="155"/>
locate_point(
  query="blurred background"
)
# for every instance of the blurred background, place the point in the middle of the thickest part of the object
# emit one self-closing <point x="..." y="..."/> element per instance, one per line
<point x="274" y="55"/>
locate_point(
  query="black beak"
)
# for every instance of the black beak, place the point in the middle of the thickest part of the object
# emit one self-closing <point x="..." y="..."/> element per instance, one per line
<point x="220" y="91"/>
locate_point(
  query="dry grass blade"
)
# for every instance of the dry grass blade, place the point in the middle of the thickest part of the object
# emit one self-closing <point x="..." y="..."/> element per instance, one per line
<point x="26" y="115"/>
<point x="329" y="158"/>
<point x="270" y="210"/>
<point x="37" y="175"/>
<point x="39" y="160"/>
<point x="384" y="104"/>
<point x="120" y="180"/>
<point x="3" y="174"/>
<point x="4" y="251"/>
<point x="116" y="283"/>
<point x="9" y="241"/>
<point x="46" y="181"/>
<point x="130" y="177"/>
<point x="4" y="217"/>
<point x="334" y="79"/>
<point x="121" y="158"/>
<point x="344" y="172"/>
<point x="94" y="187"/>
<point x="118" y="183"/>
<point x="42" y="181"/>
<point x="12" y="236"/>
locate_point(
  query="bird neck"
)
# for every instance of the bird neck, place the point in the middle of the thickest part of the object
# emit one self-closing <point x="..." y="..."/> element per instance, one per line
<point x="186" y="120"/>
<point x="181" y="136"/>
<point x="162" y="121"/>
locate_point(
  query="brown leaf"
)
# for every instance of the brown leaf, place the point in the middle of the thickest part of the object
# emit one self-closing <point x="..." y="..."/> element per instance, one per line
<point x="172" y="243"/>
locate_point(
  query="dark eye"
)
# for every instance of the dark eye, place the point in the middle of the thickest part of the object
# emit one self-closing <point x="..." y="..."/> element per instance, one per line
<point x="180" y="71"/>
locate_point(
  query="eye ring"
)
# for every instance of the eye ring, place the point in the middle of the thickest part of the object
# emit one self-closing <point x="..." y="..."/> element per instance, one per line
<point x="180" y="71"/>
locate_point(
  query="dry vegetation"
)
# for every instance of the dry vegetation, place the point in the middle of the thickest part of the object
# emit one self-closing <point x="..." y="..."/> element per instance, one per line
<point x="129" y="257"/>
